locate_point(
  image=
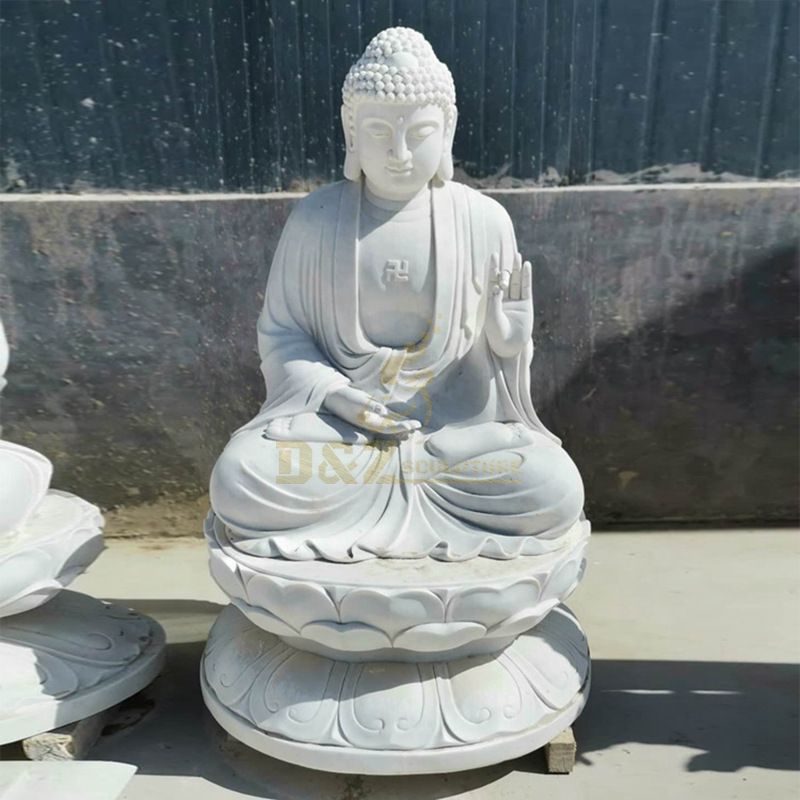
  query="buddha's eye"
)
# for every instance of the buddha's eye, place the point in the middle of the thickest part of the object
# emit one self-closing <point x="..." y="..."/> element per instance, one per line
<point x="378" y="131"/>
<point x="423" y="131"/>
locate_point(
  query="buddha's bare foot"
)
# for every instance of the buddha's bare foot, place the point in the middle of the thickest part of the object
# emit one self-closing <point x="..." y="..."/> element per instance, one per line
<point x="454" y="445"/>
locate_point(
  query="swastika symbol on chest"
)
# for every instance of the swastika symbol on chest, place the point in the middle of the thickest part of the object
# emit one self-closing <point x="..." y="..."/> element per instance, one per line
<point x="395" y="271"/>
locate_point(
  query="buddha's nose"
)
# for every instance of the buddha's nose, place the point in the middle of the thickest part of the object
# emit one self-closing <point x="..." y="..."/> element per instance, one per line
<point x="399" y="155"/>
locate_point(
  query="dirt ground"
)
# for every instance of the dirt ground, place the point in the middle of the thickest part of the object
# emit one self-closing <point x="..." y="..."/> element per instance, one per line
<point x="167" y="517"/>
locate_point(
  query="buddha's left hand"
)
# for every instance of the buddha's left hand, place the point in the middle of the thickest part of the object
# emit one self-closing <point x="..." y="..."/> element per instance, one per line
<point x="509" y="315"/>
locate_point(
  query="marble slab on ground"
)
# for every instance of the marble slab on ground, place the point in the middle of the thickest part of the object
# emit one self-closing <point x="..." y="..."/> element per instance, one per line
<point x="95" y="780"/>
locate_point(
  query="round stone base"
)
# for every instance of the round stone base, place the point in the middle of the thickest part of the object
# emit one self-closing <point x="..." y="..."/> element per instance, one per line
<point x="70" y="658"/>
<point x="395" y="717"/>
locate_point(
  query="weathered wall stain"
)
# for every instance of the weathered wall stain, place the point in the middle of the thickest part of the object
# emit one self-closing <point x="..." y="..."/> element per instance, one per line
<point x="666" y="336"/>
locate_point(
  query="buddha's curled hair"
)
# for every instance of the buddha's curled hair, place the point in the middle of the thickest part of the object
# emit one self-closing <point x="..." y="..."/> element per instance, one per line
<point x="399" y="66"/>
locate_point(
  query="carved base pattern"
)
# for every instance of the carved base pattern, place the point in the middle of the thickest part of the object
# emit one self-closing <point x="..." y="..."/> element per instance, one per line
<point x="390" y="717"/>
<point x="56" y="544"/>
<point x="480" y="612"/>
<point x="69" y="659"/>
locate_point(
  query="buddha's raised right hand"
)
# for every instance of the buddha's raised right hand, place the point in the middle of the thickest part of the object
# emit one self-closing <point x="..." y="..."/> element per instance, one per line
<point x="360" y="409"/>
<point x="509" y="315"/>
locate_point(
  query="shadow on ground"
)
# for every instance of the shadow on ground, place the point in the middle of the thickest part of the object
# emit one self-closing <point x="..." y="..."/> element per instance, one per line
<point x="736" y="714"/>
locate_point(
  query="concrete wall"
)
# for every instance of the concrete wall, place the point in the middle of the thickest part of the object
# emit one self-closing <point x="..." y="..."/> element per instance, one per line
<point x="666" y="339"/>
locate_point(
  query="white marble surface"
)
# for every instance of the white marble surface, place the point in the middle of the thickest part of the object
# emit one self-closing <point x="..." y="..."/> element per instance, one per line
<point x="69" y="659"/>
<point x="24" y="473"/>
<point x="403" y="610"/>
<point x="384" y="717"/>
<point x="60" y="538"/>
<point x="24" y="479"/>
<point x="37" y="780"/>
<point x="4" y="353"/>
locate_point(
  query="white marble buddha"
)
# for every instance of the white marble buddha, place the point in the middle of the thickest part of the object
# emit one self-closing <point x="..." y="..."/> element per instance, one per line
<point x="396" y="347"/>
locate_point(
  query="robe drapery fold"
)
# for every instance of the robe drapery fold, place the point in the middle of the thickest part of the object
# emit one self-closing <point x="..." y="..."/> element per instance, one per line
<point x="311" y="342"/>
<point x="310" y="338"/>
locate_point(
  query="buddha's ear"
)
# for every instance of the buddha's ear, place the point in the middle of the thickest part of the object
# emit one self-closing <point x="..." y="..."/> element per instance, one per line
<point x="352" y="166"/>
<point x="445" y="171"/>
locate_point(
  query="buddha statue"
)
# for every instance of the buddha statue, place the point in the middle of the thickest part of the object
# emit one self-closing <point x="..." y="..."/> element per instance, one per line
<point x="395" y="342"/>
<point x="396" y="529"/>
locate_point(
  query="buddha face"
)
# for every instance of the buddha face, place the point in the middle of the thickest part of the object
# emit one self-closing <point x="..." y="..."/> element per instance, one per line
<point x="400" y="147"/>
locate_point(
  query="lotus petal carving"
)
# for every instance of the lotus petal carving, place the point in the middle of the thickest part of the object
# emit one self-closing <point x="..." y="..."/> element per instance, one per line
<point x="361" y="620"/>
<point x="490" y="606"/>
<point x="72" y="644"/>
<point x="391" y="611"/>
<point x="392" y="705"/>
<point x="434" y="637"/>
<point x="354" y="637"/>
<point x="24" y="478"/>
<point x="389" y="706"/>
<point x="58" y="541"/>
<point x="297" y="604"/>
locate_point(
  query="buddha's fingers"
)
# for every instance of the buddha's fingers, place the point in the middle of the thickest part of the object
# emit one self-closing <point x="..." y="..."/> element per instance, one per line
<point x="498" y="295"/>
<point x="494" y="272"/>
<point x="505" y="283"/>
<point x="387" y="423"/>
<point x="516" y="279"/>
<point x="527" y="280"/>
<point x="394" y="427"/>
<point x="400" y="422"/>
<point x="372" y="421"/>
<point x="500" y="278"/>
<point x="409" y="426"/>
<point x="494" y="263"/>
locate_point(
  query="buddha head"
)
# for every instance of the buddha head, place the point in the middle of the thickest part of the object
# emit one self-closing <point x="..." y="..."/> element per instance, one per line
<point x="399" y="115"/>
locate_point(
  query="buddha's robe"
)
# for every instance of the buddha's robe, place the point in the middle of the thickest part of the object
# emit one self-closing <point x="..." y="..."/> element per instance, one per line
<point x="482" y="477"/>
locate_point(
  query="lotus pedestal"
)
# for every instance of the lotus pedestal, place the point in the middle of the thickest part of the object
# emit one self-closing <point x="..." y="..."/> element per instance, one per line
<point x="396" y="666"/>
<point x="64" y="656"/>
